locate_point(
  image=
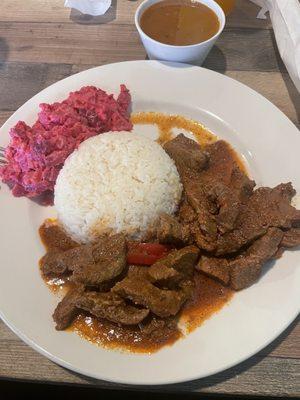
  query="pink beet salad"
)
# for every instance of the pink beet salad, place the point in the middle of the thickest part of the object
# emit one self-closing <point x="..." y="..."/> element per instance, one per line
<point x="36" y="154"/>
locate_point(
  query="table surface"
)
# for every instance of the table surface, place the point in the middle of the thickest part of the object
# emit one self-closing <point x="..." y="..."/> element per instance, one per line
<point x="42" y="42"/>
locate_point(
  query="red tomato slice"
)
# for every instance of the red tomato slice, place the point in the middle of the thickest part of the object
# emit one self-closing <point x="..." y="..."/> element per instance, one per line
<point x="149" y="248"/>
<point x="141" y="259"/>
<point x="146" y="253"/>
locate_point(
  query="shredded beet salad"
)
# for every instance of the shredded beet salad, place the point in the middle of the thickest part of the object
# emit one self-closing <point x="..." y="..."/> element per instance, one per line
<point x="36" y="154"/>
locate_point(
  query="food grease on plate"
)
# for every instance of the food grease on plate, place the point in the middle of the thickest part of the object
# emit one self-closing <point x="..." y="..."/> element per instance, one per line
<point x="168" y="123"/>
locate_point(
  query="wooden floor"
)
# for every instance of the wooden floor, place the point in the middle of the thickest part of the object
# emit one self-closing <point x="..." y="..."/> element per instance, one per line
<point x="42" y="42"/>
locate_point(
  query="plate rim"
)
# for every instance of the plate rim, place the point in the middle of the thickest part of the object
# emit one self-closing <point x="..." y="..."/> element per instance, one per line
<point x="70" y="367"/>
<point x="195" y="376"/>
<point x="156" y="62"/>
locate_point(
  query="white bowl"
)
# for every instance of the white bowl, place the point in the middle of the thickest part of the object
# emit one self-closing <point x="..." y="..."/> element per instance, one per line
<point x="195" y="53"/>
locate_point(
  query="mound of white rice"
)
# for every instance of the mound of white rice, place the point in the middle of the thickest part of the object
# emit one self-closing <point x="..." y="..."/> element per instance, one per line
<point x="117" y="182"/>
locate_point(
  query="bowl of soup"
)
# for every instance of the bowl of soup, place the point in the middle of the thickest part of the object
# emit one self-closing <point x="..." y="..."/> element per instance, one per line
<point x="179" y="30"/>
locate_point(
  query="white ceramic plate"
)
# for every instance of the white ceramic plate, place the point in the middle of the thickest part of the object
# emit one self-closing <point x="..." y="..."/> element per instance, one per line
<point x="269" y="143"/>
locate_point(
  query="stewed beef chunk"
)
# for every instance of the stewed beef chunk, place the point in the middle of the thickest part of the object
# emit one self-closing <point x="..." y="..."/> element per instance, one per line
<point x="108" y="261"/>
<point x="203" y="227"/>
<point x="53" y="263"/>
<point x="161" y="273"/>
<point x="155" y="324"/>
<point x="112" y="307"/>
<point x="190" y="164"/>
<point x="157" y="329"/>
<point x="243" y="270"/>
<point x="214" y="192"/>
<point x="66" y="310"/>
<point x="176" y="266"/>
<point x="186" y="153"/>
<point x="217" y="268"/>
<point x="266" y="208"/>
<point x="91" y="264"/>
<point x="296" y="219"/>
<point x="291" y="238"/>
<point x="222" y="187"/>
<point x="171" y="231"/>
<point x="230" y="199"/>
<point x="54" y="237"/>
<point x="141" y="291"/>
<point x="186" y="212"/>
<point x="138" y="272"/>
<point x="57" y="262"/>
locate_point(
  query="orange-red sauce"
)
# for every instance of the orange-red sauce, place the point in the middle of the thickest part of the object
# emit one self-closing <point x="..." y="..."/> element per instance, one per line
<point x="166" y="123"/>
<point x="109" y="335"/>
<point x="179" y="22"/>
<point x="208" y="298"/>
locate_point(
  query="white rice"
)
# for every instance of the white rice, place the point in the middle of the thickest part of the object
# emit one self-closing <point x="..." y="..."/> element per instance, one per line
<point x="115" y="182"/>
